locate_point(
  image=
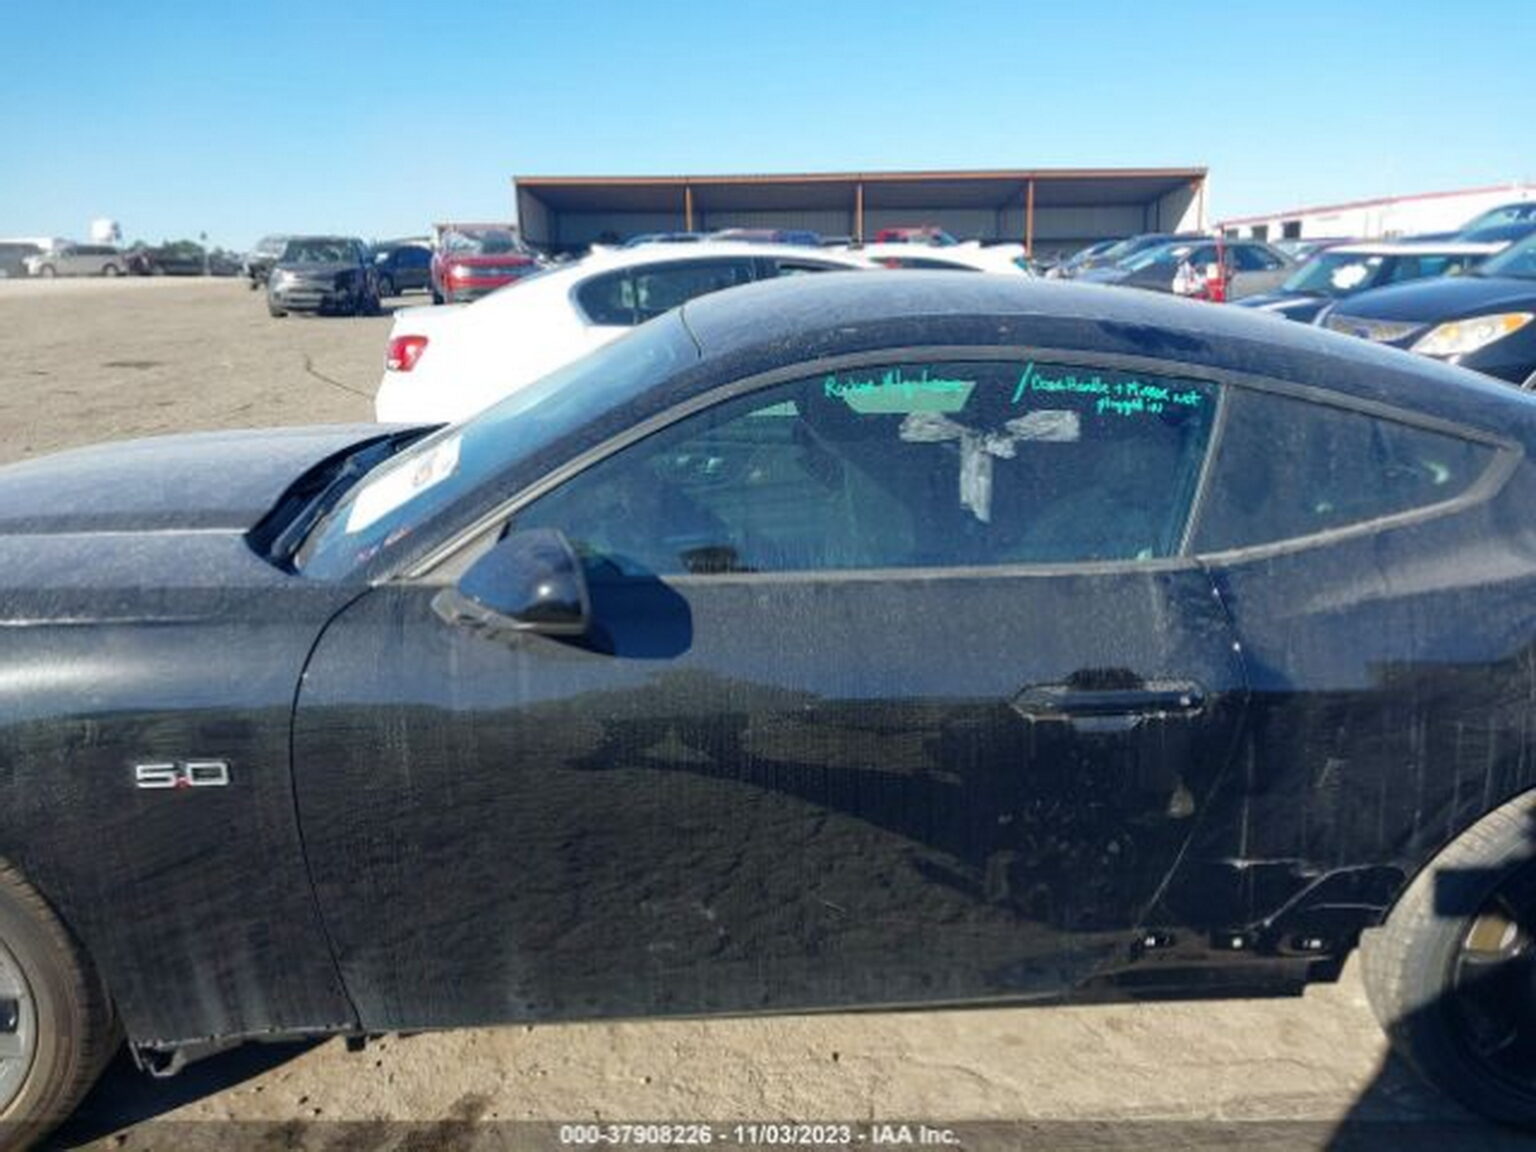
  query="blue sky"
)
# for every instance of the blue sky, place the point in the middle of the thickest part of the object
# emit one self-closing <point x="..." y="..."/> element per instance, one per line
<point x="377" y="118"/>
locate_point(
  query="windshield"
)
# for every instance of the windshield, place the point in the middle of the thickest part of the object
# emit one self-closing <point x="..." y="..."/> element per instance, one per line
<point x="480" y="241"/>
<point x="453" y="463"/>
<point x="1130" y="246"/>
<point x="1518" y="260"/>
<point x="317" y="250"/>
<point x="1165" y="254"/>
<point x="1102" y="248"/>
<point x="1335" y="273"/>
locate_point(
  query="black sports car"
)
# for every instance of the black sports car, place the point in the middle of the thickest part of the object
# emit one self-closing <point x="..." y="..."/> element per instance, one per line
<point x="894" y="639"/>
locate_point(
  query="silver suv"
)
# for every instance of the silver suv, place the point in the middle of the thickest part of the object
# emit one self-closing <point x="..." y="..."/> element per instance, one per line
<point x="78" y="260"/>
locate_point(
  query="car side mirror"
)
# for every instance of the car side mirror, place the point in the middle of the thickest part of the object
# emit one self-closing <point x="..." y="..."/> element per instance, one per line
<point x="531" y="581"/>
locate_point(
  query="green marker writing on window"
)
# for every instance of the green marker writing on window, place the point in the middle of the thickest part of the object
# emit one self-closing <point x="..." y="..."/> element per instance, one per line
<point x="895" y="392"/>
<point x="1115" y="397"/>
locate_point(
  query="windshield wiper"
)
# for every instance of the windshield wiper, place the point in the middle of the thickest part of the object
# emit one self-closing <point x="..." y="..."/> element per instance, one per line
<point x="352" y="469"/>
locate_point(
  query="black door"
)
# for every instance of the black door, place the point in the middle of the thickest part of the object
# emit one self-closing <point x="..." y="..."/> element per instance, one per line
<point x="411" y="268"/>
<point x="898" y="691"/>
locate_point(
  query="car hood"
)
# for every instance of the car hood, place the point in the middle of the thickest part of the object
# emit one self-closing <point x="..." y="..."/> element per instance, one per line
<point x="1442" y="298"/>
<point x="199" y="482"/>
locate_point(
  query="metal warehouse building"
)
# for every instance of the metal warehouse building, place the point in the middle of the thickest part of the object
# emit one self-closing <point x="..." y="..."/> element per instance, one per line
<point x="1046" y="209"/>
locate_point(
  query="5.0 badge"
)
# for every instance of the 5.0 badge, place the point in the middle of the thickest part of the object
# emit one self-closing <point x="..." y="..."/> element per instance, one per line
<point x="182" y="774"/>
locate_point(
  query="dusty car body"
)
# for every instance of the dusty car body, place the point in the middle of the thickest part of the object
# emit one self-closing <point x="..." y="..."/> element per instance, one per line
<point x="896" y="639"/>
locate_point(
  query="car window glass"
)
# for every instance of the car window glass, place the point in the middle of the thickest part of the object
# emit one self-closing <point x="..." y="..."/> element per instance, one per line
<point x="1247" y="259"/>
<point x="801" y="267"/>
<point x="900" y="466"/>
<point x="635" y="295"/>
<point x="1288" y="468"/>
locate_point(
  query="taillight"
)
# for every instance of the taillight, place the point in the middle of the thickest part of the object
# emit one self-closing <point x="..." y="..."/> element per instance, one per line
<point x="404" y="352"/>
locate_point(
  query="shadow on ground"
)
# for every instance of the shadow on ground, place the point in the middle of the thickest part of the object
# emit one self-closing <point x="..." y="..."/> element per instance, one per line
<point x="124" y="1096"/>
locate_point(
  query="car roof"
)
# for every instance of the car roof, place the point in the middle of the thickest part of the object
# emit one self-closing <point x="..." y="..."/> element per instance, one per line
<point x="777" y="323"/>
<point x="1421" y="248"/>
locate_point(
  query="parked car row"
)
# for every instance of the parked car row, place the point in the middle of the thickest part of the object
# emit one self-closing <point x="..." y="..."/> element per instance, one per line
<point x="1468" y="298"/>
<point x="929" y="235"/>
<point x="181" y="258"/>
<point x="47" y="260"/>
<point x="337" y="274"/>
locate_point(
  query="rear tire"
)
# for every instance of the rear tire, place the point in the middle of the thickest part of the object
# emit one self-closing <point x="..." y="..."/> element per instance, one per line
<point x="57" y="995"/>
<point x="110" y="270"/>
<point x="1450" y="973"/>
<point x="386" y="287"/>
<point x="48" y="272"/>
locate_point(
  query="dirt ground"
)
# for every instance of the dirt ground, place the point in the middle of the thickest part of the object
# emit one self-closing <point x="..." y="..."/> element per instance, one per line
<point x="89" y="360"/>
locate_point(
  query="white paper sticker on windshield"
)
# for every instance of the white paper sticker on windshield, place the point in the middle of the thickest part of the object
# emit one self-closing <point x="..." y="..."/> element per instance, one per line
<point x="402" y="484"/>
<point x="1349" y="276"/>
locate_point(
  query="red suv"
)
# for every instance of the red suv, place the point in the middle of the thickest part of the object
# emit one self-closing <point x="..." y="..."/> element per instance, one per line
<point x="469" y="260"/>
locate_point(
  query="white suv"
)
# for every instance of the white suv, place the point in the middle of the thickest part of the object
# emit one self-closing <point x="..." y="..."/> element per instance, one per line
<point x="78" y="260"/>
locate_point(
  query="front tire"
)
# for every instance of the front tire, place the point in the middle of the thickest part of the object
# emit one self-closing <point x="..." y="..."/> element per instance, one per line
<point x="274" y="310"/>
<point x="110" y="270"/>
<point x="48" y="272"/>
<point x="386" y="287"/>
<point x="59" y="1030"/>
<point x="1451" y="975"/>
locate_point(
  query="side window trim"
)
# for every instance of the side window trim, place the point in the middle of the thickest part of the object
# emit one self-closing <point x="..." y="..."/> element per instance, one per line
<point x="447" y="560"/>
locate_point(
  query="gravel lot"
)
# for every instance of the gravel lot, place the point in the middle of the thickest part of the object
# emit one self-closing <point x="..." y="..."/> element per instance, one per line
<point x="88" y="360"/>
